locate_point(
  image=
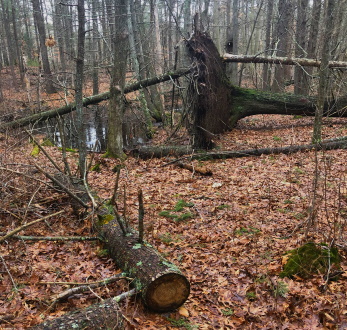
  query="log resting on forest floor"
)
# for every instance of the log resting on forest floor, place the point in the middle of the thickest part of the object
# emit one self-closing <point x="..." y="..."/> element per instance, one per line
<point x="104" y="315"/>
<point x="331" y="144"/>
<point x="161" y="284"/>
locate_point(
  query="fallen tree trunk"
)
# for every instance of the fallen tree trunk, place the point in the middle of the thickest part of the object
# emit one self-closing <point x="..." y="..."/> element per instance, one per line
<point x="163" y="287"/>
<point x="95" y="99"/>
<point x="281" y="60"/>
<point x="160" y="283"/>
<point x="247" y="102"/>
<point x="105" y="315"/>
<point x="324" y="145"/>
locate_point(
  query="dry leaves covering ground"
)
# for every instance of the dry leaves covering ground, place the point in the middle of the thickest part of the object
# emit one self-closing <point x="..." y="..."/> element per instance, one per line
<point x="242" y="220"/>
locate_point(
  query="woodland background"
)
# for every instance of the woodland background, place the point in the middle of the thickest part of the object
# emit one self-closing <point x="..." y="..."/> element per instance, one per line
<point x="237" y="223"/>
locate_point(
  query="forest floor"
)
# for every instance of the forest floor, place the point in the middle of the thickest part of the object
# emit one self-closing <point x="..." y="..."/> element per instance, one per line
<point x="230" y="242"/>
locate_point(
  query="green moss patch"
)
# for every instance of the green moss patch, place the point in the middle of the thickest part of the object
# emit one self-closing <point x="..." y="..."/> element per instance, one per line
<point x="310" y="259"/>
<point x="178" y="213"/>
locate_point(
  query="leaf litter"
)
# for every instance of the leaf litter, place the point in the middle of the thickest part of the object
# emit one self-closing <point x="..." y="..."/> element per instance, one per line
<point x="243" y="220"/>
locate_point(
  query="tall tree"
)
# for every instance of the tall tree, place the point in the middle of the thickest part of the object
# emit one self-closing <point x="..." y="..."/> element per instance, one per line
<point x="300" y="81"/>
<point x="40" y="24"/>
<point x="268" y="32"/>
<point x="324" y="70"/>
<point x="283" y="39"/>
<point x="232" y="43"/>
<point x="116" y="103"/>
<point x="82" y="148"/>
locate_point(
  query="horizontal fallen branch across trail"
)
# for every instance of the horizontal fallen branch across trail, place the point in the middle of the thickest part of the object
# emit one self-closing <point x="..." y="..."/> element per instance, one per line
<point x="52" y="238"/>
<point x="95" y="99"/>
<point x="281" y="60"/>
<point x="327" y="145"/>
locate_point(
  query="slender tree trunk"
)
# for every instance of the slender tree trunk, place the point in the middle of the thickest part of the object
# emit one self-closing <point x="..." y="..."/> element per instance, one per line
<point x="116" y="104"/>
<point x="82" y="148"/>
<point x="324" y="71"/>
<point x="268" y="33"/>
<point x="39" y="20"/>
<point x="285" y="12"/>
<point x="233" y="42"/>
<point x="9" y="40"/>
<point x="300" y="81"/>
<point x="95" y="49"/>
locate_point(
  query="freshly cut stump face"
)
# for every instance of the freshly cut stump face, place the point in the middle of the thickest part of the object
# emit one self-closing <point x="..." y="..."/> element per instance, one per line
<point x="167" y="292"/>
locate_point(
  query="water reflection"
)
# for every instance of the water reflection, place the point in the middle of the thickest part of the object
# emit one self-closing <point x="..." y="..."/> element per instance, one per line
<point x="95" y="127"/>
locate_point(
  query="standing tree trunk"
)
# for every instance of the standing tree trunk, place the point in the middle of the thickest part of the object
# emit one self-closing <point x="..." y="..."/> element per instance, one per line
<point x="10" y="45"/>
<point x="232" y="44"/>
<point x="324" y="71"/>
<point x="266" y="67"/>
<point x="79" y="89"/>
<point x="300" y="81"/>
<point x="40" y="24"/>
<point x="116" y="103"/>
<point x="95" y="49"/>
<point x="285" y="12"/>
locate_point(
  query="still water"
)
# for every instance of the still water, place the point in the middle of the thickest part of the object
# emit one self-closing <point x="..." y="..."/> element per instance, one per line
<point x="95" y="127"/>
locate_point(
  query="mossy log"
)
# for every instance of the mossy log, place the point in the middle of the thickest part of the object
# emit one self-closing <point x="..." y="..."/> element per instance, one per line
<point x="105" y="315"/>
<point x="148" y="152"/>
<point x="163" y="287"/>
<point x="248" y="102"/>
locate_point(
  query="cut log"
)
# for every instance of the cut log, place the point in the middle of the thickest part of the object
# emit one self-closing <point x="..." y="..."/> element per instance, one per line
<point x="281" y="60"/>
<point x="163" y="287"/>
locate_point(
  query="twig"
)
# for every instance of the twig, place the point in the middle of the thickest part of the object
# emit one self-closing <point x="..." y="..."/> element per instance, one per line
<point x="120" y="222"/>
<point x="27" y="225"/>
<point x="25" y="175"/>
<point x="114" y="196"/>
<point x="125" y="208"/>
<point x="44" y="151"/>
<point x="141" y="215"/>
<point x="63" y="145"/>
<point x="8" y="272"/>
<point x="52" y="238"/>
<point x="71" y="194"/>
<point x="124" y="295"/>
<point x="84" y="287"/>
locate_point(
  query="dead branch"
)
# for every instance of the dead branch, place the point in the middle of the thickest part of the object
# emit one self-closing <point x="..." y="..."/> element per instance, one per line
<point x="58" y="183"/>
<point x="98" y="316"/>
<point x="85" y="287"/>
<point x="53" y="238"/>
<point x="281" y="60"/>
<point x="15" y="231"/>
<point x="141" y="215"/>
<point x="43" y="151"/>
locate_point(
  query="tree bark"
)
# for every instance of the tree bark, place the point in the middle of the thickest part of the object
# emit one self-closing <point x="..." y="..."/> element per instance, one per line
<point x="116" y="104"/>
<point x="82" y="147"/>
<point x="105" y="315"/>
